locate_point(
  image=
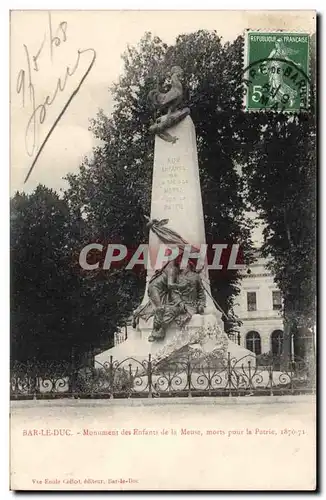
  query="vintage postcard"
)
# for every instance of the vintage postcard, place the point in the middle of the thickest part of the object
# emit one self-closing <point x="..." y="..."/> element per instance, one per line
<point x="163" y="236"/>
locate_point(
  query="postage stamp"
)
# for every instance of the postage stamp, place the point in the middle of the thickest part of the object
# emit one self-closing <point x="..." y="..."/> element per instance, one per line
<point x="276" y="71"/>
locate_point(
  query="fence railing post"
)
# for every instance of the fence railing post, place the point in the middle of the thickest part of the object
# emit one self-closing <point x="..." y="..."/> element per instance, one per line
<point x="111" y="378"/>
<point x="149" y="376"/>
<point x="72" y="381"/>
<point x="131" y="381"/>
<point x="189" y="378"/>
<point x="35" y="380"/>
<point x="72" y="375"/>
<point x="250" y="383"/>
<point x="35" y="386"/>
<point x="292" y="369"/>
<point x="270" y="375"/>
<point x="229" y="374"/>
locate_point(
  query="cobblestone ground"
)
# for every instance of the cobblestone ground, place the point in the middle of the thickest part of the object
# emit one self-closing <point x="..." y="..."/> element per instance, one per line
<point x="200" y="443"/>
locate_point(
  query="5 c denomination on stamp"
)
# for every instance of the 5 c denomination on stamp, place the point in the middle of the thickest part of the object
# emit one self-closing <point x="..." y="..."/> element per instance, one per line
<point x="276" y="73"/>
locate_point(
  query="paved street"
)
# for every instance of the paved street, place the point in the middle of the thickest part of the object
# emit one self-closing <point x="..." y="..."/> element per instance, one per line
<point x="170" y="443"/>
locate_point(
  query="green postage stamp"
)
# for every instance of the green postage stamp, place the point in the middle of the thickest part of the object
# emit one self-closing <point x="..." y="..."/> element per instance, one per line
<point x="276" y="71"/>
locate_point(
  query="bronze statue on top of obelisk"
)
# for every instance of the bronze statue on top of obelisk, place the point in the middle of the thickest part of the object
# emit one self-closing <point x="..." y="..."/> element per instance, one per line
<point x="172" y="101"/>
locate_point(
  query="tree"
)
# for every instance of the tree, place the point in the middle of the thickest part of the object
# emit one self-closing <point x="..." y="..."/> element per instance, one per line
<point x="112" y="189"/>
<point x="39" y="280"/>
<point x="281" y="177"/>
<point x="58" y="312"/>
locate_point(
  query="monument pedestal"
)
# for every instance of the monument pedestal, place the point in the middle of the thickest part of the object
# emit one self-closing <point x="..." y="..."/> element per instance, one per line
<point x="138" y="348"/>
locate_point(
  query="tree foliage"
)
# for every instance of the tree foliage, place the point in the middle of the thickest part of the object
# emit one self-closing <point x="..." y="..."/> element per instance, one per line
<point x="39" y="277"/>
<point x="281" y="173"/>
<point x="58" y="311"/>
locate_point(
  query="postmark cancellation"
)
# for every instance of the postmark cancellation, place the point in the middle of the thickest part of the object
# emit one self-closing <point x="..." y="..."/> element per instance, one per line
<point x="276" y="71"/>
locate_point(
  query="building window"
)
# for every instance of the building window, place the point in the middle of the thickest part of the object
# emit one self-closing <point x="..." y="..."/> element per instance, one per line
<point x="251" y="301"/>
<point x="253" y="342"/>
<point x="277" y="342"/>
<point x="277" y="300"/>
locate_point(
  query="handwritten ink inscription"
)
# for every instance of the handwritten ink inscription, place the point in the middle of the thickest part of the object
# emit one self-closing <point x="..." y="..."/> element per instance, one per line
<point x="26" y="85"/>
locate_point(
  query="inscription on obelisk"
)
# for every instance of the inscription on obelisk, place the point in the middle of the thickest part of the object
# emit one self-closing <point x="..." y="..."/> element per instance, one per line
<point x="176" y="191"/>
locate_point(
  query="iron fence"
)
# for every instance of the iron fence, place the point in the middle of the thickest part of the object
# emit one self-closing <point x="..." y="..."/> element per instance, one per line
<point x="144" y="378"/>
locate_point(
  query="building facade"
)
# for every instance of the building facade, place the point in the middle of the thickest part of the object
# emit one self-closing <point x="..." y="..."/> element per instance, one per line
<point x="259" y="307"/>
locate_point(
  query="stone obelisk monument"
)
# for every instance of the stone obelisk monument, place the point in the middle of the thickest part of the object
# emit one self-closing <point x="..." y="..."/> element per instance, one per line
<point x="177" y="313"/>
<point x="176" y="193"/>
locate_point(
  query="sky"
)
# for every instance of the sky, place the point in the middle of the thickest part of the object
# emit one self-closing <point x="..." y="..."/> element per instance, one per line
<point x="101" y="36"/>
